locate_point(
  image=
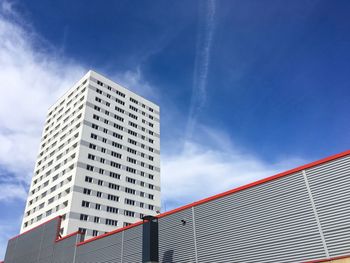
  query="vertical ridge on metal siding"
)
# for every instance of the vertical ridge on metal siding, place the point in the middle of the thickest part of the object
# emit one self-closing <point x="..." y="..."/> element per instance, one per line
<point x="101" y="250"/>
<point x="272" y="222"/>
<point x="330" y="185"/>
<point x="64" y="250"/>
<point x="176" y="240"/>
<point x="132" y="252"/>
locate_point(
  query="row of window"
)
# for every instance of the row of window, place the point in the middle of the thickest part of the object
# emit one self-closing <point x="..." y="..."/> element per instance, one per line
<point x="121" y="119"/>
<point x="43" y="215"/>
<point x="133" y="116"/>
<point x="131" y="107"/>
<point x="128" y="190"/>
<point x="43" y="155"/>
<point x="119" y="146"/>
<point x="56" y="123"/>
<point x="123" y="95"/>
<point x="58" y="110"/>
<point x="112" y="209"/>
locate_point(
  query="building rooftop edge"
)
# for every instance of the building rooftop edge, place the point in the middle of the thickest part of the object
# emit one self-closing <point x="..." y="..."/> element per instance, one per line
<point x="223" y="194"/>
<point x="205" y="200"/>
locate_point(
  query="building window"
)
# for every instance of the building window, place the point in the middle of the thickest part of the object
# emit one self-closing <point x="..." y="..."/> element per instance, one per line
<point x="88" y="179"/>
<point x="129" y="213"/>
<point x="83" y="217"/>
<point x="113" y="186"/>
<point x="92" y="146"/>
<point x="114" y="175"/>
<point x="85" y="204"/>
<point x="129" y="190"/>
<point x="94" y="233"/>
<point x="111" y="222"/>
<point x="111" y="209"/>
<point x="113" y="197"/>
<point x="96" y="219"/>
<point x="129" y="201"/>
<point x="130" y="180"/>
<point x="87" y="191"/>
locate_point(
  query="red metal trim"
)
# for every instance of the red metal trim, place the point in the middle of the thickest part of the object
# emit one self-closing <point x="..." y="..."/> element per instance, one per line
<point x="262" y="181"/>
<point x="25" y="232"/>
<point x="110" y="233"/>
<point x="208" y="199"/>
<point x="68" y="236"/>
<point x="327" y="259"/>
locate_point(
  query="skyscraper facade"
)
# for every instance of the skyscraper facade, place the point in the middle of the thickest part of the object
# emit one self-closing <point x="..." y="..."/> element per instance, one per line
<point x="99" y="160"/>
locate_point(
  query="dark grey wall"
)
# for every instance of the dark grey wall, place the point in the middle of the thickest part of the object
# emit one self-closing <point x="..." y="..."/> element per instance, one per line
<point x="295" y="218"/>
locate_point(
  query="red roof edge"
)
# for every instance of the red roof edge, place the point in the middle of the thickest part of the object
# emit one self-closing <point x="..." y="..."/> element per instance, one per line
<point x="58" y="239"/>
<point x="262" y="181"/>
<point x="110" y="233"/>
<point x="205" y="200"/>
<point x="327" y="259"/>
<point x="43" y="223"/>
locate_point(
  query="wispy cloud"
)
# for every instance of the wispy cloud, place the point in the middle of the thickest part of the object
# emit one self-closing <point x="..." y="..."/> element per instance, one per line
<point x="135" y="81"/>
<point x="210" y="165"/>
<point x="31" y="79"/>
<point x="202" y="62"/>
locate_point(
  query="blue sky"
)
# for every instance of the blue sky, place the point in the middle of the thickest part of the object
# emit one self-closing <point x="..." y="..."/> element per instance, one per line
<point x="246" y="88"/>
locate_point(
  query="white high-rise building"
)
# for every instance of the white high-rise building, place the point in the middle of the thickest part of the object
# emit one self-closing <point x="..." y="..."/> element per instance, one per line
<point x="99" y="160"/>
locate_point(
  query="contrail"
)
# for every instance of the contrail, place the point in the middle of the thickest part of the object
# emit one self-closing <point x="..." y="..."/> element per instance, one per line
<point x="202" y="61"/>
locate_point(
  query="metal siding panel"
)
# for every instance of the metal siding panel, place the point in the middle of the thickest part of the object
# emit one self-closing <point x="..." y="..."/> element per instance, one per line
<point x="64" y="250"/>
<point x="132" y="245"/>
<point x="272" y="222"/>
<point x="36" y="245"/>
<point x="330" y="187"/>
<point x="107" y="249"/>
<point x="10" y="251"/>
<point x="176" y="240"/>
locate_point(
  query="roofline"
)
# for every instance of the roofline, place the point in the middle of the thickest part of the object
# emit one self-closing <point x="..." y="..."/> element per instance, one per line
<point x="58" y="239"/>
<point x="327" y="259"/>
<point x="31" y="229"/>
<point x="235" y="190"/>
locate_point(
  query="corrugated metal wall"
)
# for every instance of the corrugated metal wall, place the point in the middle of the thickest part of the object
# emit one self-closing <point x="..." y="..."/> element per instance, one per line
<point x="296" y="218"/>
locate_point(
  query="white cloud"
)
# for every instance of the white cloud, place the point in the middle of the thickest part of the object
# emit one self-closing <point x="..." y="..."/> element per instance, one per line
<point x="202" y="62"/>
<point x="134" y="80"/>
<point x="199" y="170"/>
<point x="31" y="80"/>
<point x="12" y="191"/>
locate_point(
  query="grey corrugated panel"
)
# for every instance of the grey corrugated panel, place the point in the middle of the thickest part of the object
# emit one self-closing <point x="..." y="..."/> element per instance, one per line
<point x="10" y="251"/>
<point x="275" y="224"/>
<point x="289" y="250"/>
<point x="332" y="166"/>
<point x="250" y="216"/>
<point x="176" y="240"/>
<point x="254" y="194"/>
<point x="100" y="250"/>
<point x="330" y="187"/>
<point x="132" y="247"/>
<point x="64" y="250"/>
<point x="28" y="246"/>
